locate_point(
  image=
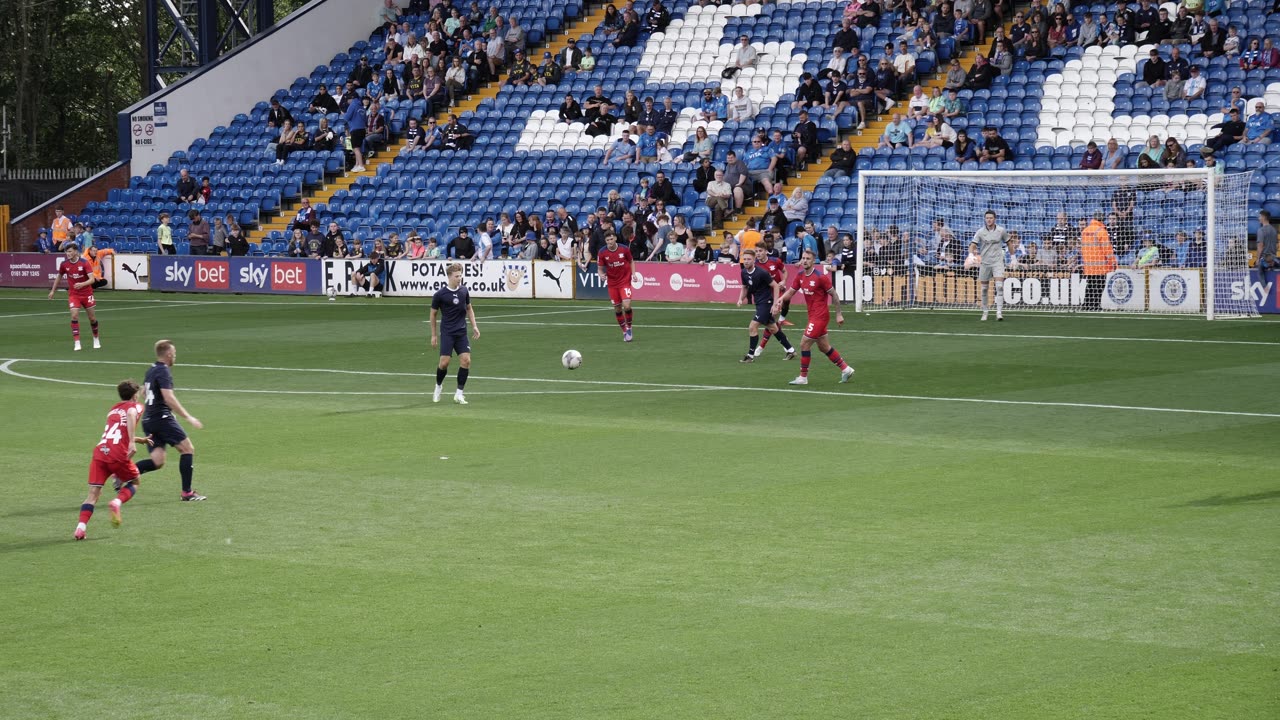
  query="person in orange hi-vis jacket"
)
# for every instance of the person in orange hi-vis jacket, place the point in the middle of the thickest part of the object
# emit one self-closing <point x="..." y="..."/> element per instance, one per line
<point x="1097" y="258"/>
<point x="96" y="257"/>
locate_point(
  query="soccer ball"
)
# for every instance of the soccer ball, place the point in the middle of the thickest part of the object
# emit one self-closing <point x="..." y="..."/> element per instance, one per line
<point x="333" y="294"/>
<point x="571" y="359"/>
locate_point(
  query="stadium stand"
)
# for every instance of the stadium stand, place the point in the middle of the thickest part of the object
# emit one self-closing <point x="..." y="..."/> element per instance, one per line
<point x="523" y="158"/>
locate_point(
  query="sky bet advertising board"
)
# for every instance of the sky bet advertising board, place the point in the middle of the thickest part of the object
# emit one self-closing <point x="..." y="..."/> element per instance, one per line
<point x="235" y="275"/>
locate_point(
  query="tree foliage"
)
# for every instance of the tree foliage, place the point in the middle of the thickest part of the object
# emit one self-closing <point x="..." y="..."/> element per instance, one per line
<point x="68" y="67"/>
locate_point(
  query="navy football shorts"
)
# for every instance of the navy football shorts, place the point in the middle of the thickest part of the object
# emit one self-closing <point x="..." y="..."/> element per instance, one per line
<point x="764" y="314"/>
<point x="454" y="342"/>
<point x="164" y="431"/>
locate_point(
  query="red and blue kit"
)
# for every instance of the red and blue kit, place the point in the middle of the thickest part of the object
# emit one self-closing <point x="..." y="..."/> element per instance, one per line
<point x="814" y="286"/>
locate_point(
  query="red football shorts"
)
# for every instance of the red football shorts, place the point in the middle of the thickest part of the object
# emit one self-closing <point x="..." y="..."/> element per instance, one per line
<point x="619" y="293"/>
<point x="102" y="468"/>
<point x="815" y="330"/>
<point x="81" y="301"/>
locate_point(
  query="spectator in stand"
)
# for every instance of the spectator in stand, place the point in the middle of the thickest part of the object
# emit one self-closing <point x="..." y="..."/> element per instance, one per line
<point x="1114" y="156"/>
<point x="237" y="245"/>
<point x="1195" y="86"/>
<point x="1161" y="29"/>
<point x="862" y="93"/>
<point x="662" y="190"/>
<point x="218" y="241"/>
<point x="612" y="22"/>
<point x="205" y="193"/>
<point x="1270" y="55"/>
<point x="837" y="64"/>
<point x="704" y="175"/>
<point x="738" y="175"/>
<point x="966" y="150"/>
<point x="629" y="34"/>
<point x="329" y="246"/>
<point x="981" y="75"/>
<point x="1211" y="44"/>
<point x="522" y="72"/>
<point x="549" y="72"/>
<point x="1259" y="125"/>
<point x="796" y="207"/>
<point x="433" y="91"/>
<point x="44" y="245"/>
<point x="164" y="236"/>
<point x="742" y="56"/>
<point x="621" y="151"/>
<point x="1089" y="32"/>
<point x="955" y="75"/>
<point x="323" y="103"/>
<point x="456" y="135"/>
<point x="570" y="110"/>
<point x="1233" y="131"/>
<point x="455" y="80"/>
<point x="1002" y="55"/>
<point x="847" y="37"/>
<point x="702" y="147"/>
<point x="1175" y="88"/>
<point x="571" y="57"/>
<point x="760" y="161"/>
<point x="939" y="133"/>
<point x="918" y="104"/>
<point x="414" y="137"/>
<point x="197" y="233"/>
<point x="1177" y="63"/>
<point x="187" y="189"/>
<point x="994" y="147"/>
<point x="1092" y="158"/>
<point x="1251" y="58"/>
<point x="1174" y="156"/>
<point x="496" y="54"/>
<point x="277" y="114"/>
<point x="1154" y="71"/>
<point x="514" y="39"/>
<point x="356" y="117"/>
<point x="297" y="246"/>
<point x="376" y="131"/>
<point x="741" y="109"/>
<point x="595" y="104"/>
<point x="843" y="160"/>
<point x="665" y="119"/>
<point x="1057" y="36"/>
<point x="315" y="240"/>
<point x="325" y="138"/>
<point x="361" y="75"/>
<point x="603" y="122"/>
<point x="897" y="133"/>
<point x="657" y="19"/>
<point x="836" y="94"/>
<point x="647" y="145"/>
<point x="1150" y="157"/>
<point x="805" y="141"/>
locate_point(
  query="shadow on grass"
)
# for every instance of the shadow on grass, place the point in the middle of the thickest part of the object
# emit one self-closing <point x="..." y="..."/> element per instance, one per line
<point x="17" y="547"/>
<point x="1221" y="499"/>
<point x="42" y="511"/>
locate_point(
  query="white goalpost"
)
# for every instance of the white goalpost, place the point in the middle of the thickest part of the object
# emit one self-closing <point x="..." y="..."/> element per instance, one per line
<point x="1179" y="239"/>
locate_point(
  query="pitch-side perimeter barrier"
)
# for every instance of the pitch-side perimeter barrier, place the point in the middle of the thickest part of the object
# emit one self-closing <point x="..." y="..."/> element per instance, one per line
<point x="1132" y="290"/>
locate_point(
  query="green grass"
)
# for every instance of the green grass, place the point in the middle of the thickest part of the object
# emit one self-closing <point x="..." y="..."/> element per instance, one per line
<point x="709" y="543"/>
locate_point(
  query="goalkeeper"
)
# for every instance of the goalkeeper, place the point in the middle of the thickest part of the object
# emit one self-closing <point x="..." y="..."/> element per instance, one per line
<point x="990" y="244"/>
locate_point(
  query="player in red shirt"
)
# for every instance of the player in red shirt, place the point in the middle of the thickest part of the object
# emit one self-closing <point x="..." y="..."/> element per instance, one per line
<point x="112" y="456"/>
<point x="615" y="267"/>
<point x="79" y="274"/>
<point x="818" y="291"/>
<point x="778" y="271"/>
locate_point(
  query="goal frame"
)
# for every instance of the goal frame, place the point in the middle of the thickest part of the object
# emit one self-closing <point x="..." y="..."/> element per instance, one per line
<point x="1208" y="175"/>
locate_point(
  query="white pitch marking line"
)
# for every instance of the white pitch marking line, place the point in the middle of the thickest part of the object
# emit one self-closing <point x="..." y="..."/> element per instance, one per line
<point x="922" y="332"/>
<point x="100" y="308"/>
<point x="6" y="368"/>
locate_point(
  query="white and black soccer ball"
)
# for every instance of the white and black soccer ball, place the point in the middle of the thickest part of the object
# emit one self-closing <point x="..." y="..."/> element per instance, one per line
<point x="333" y="294"/>
<point x="571" y="359"/>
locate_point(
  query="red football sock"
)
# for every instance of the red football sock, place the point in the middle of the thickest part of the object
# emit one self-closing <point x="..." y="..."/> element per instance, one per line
<point x="622" y="322"/>
<point x="75" y="329"/>
<point x="805" y="356"/>
<point x="834" y="356"/>
<point x="86" y="512"/>
<point x="125" y="493"/>
<point x="765" y="340"/>
<point x="628" y="318"/>
<point x="94" y="325"/>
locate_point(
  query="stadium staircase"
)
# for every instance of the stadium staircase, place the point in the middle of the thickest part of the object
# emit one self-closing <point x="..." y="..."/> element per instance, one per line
<point x="861" y="140"/>
<point x="489" y="91"/>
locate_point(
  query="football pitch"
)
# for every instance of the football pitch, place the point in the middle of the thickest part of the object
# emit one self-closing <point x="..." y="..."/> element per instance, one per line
<point x="1051" y="517"/>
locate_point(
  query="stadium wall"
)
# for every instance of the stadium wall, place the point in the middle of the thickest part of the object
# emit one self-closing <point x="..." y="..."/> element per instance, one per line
<point x="191" y="108"/>
<point x="25" y="229"/>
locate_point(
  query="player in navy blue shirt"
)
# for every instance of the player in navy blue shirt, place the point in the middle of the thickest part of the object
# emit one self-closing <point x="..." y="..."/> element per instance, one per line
<point x="451" y="305"/>
<point x="760" y="287"/>
<point x="159" y="424"/>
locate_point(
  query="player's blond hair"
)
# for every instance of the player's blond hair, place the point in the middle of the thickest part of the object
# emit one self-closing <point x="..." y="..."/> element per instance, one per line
<point x="453" y="268"/>
<point x="163" y="347"/>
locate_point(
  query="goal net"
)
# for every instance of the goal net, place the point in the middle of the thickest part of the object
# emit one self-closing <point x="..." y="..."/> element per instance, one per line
<point x="1176" y="240"/>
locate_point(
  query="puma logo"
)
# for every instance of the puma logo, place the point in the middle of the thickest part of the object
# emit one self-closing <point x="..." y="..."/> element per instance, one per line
<point x="554" y="278"/>
<point x="131" y="271"/>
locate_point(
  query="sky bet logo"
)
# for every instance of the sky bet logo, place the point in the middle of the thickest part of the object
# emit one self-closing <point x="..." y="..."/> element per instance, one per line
<point x="1254" y="292"/>
<point x="284" y="276"/>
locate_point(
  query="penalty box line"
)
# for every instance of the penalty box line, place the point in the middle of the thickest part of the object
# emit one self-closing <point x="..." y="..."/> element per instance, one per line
<point x="6" y="367"/>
